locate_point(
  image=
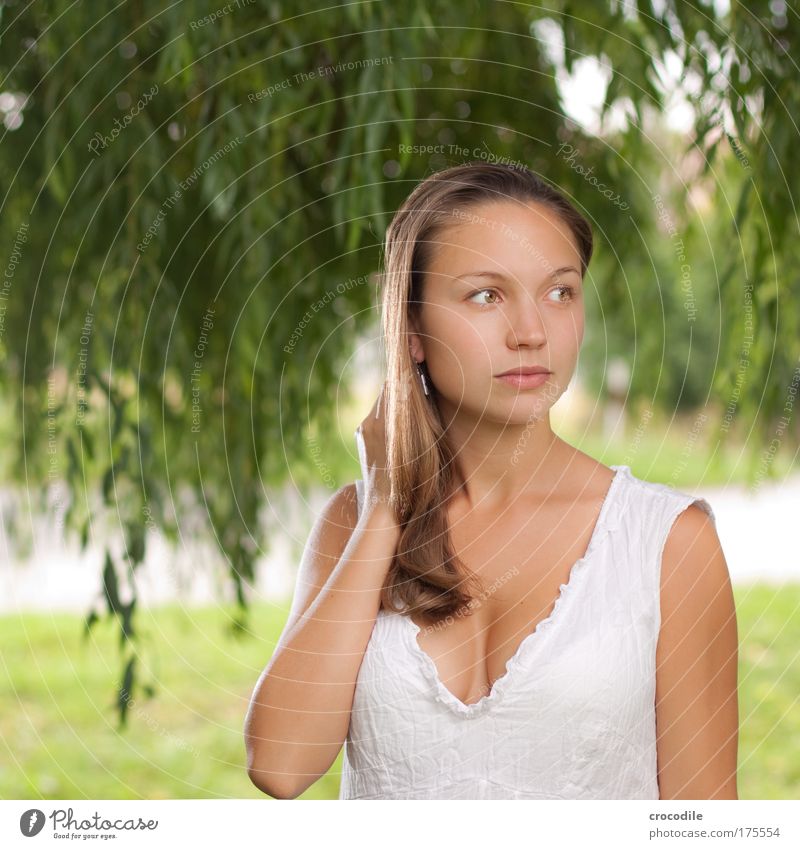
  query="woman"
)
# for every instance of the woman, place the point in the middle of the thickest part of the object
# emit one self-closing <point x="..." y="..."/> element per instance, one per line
<point x="489" y="612"/>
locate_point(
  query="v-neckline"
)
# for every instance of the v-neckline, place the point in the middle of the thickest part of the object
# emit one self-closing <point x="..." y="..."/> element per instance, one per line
<point x="478" y="708"/>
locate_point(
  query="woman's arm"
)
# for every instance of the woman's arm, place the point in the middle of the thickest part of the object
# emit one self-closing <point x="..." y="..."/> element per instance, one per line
<point x="300" y="709"/>
<point x="697" y="711"/>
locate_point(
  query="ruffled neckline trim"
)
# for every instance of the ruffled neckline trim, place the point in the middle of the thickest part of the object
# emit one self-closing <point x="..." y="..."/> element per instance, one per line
<point x="607" y="521"/>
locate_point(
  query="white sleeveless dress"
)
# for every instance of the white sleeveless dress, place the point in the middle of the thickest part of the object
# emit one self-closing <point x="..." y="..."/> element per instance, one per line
<point x="573" y="717"/>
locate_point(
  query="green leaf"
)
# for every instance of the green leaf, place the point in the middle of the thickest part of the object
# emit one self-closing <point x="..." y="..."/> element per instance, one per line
<point x="125" y="692"/>
<point x="73" y="463"/>
<point x="89" y="622"/>
<point x="135" y="542"/>
<point x="108" y="485"/>
<point x="127" y="630"/>
<point x="741" y="206"/>
<point x="110" y="587"/>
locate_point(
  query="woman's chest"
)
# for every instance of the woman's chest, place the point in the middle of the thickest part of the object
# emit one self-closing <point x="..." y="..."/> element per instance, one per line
<point x="522" y="566"/>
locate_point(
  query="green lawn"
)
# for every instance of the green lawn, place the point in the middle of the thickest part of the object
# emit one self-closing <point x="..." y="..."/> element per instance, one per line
<point x="58" y="731"/>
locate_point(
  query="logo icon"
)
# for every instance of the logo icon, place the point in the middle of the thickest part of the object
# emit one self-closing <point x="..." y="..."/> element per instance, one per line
<point x="31" y="822"/>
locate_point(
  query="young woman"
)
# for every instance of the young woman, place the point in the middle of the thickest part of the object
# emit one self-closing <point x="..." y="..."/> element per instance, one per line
<point x="489" y="612"/>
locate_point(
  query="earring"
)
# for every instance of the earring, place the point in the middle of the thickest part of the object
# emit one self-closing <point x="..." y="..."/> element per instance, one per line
<point x="422" y="378"/>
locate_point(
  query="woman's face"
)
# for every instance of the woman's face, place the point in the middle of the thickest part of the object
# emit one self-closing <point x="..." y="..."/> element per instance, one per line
<point x="503" y="291"/>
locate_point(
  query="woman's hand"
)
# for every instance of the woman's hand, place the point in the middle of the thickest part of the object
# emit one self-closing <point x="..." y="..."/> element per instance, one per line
<point x="371" y="444"/>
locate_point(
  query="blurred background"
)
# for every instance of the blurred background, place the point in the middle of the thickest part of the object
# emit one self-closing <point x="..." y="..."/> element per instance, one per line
<point x="194" y="198"/>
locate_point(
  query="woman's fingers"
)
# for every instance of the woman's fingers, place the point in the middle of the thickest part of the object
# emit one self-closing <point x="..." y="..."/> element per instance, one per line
<point x="378" y="402"/>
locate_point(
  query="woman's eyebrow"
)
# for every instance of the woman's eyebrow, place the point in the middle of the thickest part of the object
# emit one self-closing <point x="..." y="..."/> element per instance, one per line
<point x="496" y="274"/>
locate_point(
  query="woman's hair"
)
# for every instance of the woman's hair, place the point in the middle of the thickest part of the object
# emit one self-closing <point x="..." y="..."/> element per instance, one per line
<point x="425" y="576"/>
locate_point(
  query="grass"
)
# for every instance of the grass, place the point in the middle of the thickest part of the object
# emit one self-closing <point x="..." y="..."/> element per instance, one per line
<point x="667" y="452"/>
<point x="59" y="739"/>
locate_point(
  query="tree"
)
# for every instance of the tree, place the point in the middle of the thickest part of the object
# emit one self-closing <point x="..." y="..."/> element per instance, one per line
<point x="194" y="198"/>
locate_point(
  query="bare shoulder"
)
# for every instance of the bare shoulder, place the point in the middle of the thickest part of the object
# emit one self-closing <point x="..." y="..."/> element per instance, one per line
<point x="692" y="550"/>
<point x="694" y="572"/>
<point x="341" y="509"/>
<point x="326" y="542"/>
<point x="584" y="477"/>
<point x="332" y="529"/>
<point x="696" y="659"/>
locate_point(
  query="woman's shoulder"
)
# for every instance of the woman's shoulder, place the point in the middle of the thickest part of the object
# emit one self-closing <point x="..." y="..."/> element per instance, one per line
<point x="351" y="496"/>
<point x="658" y="508"/>
<point x="664" y="492"/>
<point x="342" y="507"/>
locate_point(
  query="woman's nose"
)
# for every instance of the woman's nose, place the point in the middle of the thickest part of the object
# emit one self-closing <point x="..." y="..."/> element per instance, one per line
<point x="526" y="326"/>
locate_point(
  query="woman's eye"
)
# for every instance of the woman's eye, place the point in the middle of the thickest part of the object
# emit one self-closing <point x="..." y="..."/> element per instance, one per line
<point x="565" y="293"/>
<point x="484" y="292"/>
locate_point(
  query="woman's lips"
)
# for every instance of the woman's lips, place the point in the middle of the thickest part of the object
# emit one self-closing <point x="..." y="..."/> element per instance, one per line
<point x="525" y="381"/>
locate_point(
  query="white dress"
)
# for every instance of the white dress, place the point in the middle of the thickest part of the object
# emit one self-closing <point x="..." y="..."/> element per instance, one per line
<point x="573" y="717"/>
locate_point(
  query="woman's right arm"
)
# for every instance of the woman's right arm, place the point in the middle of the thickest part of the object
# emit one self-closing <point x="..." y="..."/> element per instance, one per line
<point x="299" y="712"/>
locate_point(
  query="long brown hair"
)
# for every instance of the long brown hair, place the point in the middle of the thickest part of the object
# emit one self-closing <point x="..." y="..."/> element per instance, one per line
<point x="426" y="577"/>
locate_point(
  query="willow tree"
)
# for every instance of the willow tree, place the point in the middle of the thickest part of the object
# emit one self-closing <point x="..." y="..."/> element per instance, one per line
<point x="194" y="197"/>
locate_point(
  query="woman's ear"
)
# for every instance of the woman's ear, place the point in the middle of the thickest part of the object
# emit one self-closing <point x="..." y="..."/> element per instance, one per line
<point x="415" y="341"/>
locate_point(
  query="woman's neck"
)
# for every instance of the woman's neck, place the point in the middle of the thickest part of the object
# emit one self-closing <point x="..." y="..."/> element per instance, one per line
<point x="498" y="464"/>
